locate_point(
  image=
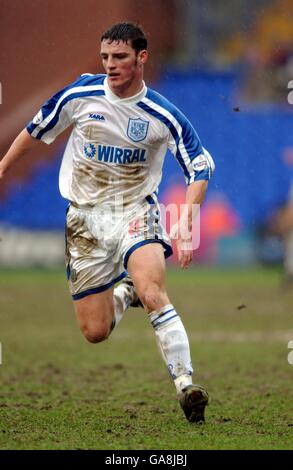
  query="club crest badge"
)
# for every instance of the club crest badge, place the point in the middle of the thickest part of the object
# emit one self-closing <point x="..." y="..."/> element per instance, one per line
<point x="137" y="129"/>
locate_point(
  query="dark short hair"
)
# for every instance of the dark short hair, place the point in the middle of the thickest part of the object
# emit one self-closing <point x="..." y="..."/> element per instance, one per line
<point x="127" y="32"/>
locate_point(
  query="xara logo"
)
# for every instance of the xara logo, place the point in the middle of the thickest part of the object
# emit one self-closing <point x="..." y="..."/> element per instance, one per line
<point x="98" y="117"/>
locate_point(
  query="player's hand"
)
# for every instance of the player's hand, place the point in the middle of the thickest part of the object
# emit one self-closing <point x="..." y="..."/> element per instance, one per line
<point x="184" y="249"/>
<point x="183" y="237"/>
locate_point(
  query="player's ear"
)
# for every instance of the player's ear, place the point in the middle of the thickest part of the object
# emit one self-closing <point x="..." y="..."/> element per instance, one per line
<point x="142" y="57"/>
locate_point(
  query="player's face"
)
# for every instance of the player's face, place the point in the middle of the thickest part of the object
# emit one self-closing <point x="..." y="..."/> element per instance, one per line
<point x="124" y="67"/>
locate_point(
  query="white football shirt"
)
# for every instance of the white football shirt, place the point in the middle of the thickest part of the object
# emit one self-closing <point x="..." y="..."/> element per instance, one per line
<point x="117" y="146"/>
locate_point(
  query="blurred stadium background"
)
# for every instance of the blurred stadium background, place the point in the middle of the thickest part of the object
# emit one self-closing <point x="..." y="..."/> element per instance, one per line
<point x="225" y="64"/>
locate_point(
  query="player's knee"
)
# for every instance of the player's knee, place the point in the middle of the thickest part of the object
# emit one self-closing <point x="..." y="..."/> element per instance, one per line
<point x="151" y="297"/>
<point x="96" y="333"/>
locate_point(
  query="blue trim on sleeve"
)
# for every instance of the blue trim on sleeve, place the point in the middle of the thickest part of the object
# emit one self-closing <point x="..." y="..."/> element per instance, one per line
<point x="31" y="127"/>
<point x="168" y="249"/>
<point x="96" y="290"/>
<point x="47" y="108"/>
<point x="53" y="121"/>
<point x="173" y="131"/>
<point x="190" y="138"/>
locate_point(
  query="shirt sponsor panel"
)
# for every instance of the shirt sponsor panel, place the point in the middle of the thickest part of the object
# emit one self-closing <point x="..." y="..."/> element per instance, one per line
<point x="113" y="155"/>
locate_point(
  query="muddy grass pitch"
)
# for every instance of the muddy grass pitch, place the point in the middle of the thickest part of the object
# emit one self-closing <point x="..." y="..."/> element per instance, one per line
<point x="59" y="392"/>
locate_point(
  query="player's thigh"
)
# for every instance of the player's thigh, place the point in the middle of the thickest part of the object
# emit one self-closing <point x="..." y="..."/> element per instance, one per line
<point x="148" y="263"/>
<point x="147" y="268"/>
<point x="95" y="314"/>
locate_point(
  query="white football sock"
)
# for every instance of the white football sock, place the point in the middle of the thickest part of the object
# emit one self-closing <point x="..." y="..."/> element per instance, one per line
<point x="173" y="344"/>
<point x="123" y="296"/>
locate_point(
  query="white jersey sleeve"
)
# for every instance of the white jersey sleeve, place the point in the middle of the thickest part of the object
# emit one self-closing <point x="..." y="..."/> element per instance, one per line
<point x="182" y="139"/>
<point x="52" y="119"/>
<point x="58" y="112"/>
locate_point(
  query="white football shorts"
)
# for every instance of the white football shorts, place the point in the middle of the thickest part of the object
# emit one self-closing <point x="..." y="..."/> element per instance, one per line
<point x="99" y="243"/>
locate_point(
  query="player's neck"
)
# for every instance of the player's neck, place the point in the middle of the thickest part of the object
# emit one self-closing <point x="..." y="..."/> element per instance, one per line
<point x="127" y="90"/>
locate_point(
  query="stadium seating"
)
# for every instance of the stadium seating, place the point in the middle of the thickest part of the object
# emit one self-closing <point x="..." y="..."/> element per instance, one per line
<point x="248" y="144"/>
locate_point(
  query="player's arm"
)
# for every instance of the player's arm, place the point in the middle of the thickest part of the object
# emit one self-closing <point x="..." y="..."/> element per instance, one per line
<point x="198" y="174"/>
<point x="20" y="146"/>
<point x="182" y="231"/>
<point x="198" y="167"/>
<point x="51" y="120"/>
